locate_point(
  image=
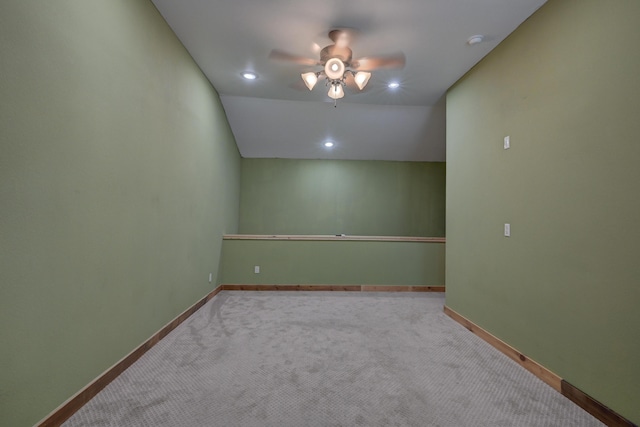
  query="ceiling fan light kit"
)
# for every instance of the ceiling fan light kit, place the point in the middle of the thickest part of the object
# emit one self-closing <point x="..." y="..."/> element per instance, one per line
<point x="336" y="72"/>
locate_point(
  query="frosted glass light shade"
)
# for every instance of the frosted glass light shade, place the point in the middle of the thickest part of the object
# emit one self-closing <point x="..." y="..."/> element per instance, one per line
<point x="336" y="91"/>
<point x="310" y="79"/>
<point x="334" y="69"/>
<point x="361" y="78"/>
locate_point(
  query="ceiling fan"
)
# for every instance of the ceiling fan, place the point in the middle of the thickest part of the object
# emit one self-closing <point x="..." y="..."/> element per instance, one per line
<point x="339" y="67"/>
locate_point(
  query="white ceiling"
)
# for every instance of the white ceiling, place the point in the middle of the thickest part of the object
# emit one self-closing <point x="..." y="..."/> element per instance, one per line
<point x="276" y="116"/>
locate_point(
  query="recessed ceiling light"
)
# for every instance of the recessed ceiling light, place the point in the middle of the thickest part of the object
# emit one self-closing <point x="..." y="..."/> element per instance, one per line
<point x="249" y="75"/>
<point x="475" y="39"/>
<point x="394" y="85"/>
<point x="328" y="144"/>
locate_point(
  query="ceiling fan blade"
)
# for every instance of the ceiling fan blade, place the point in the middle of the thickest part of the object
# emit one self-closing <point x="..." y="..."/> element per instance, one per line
<point x="280" y="55"/>
<point x="389" y="61"/>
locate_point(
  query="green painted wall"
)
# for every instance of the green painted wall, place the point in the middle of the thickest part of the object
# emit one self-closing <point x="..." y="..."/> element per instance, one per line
<point x="118" y="176"/>
<point x="369" y="198"/>
<point x="564" y="288"/>
<point x="333" y="262"/>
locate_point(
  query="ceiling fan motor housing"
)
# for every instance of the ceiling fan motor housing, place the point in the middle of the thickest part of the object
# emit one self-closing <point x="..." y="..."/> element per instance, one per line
<point x="332" y="51"/>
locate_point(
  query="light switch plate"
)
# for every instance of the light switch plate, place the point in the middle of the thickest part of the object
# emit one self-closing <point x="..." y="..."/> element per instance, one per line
<point x="256" y="269"/>
<point x="507" y="230"/>
<point x="507" y="142"/>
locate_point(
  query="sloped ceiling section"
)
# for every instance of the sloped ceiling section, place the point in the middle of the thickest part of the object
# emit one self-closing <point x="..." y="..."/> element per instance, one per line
<point x="277" y="116"/>
<point x="298" y="129"/>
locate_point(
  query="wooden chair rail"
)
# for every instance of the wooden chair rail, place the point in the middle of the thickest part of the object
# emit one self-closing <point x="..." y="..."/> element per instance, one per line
<point x="337" y="237"/>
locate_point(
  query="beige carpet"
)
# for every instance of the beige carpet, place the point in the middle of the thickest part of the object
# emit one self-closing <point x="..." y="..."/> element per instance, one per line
<point x="326" y="359"/>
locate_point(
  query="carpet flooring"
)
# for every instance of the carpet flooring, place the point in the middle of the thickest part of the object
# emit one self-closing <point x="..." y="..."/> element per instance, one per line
<point x="326" y="359"/>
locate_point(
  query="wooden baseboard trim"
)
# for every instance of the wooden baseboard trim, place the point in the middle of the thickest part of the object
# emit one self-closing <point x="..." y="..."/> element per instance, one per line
<point x="592" y="406"/>
<point x="73" y="404"/>
<point x="530" y="365"/>
<point x="237" y="287"/>
<point x="334" y="288"/>
<point x="378" y="288"/>
<point x="595" y="408"/>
